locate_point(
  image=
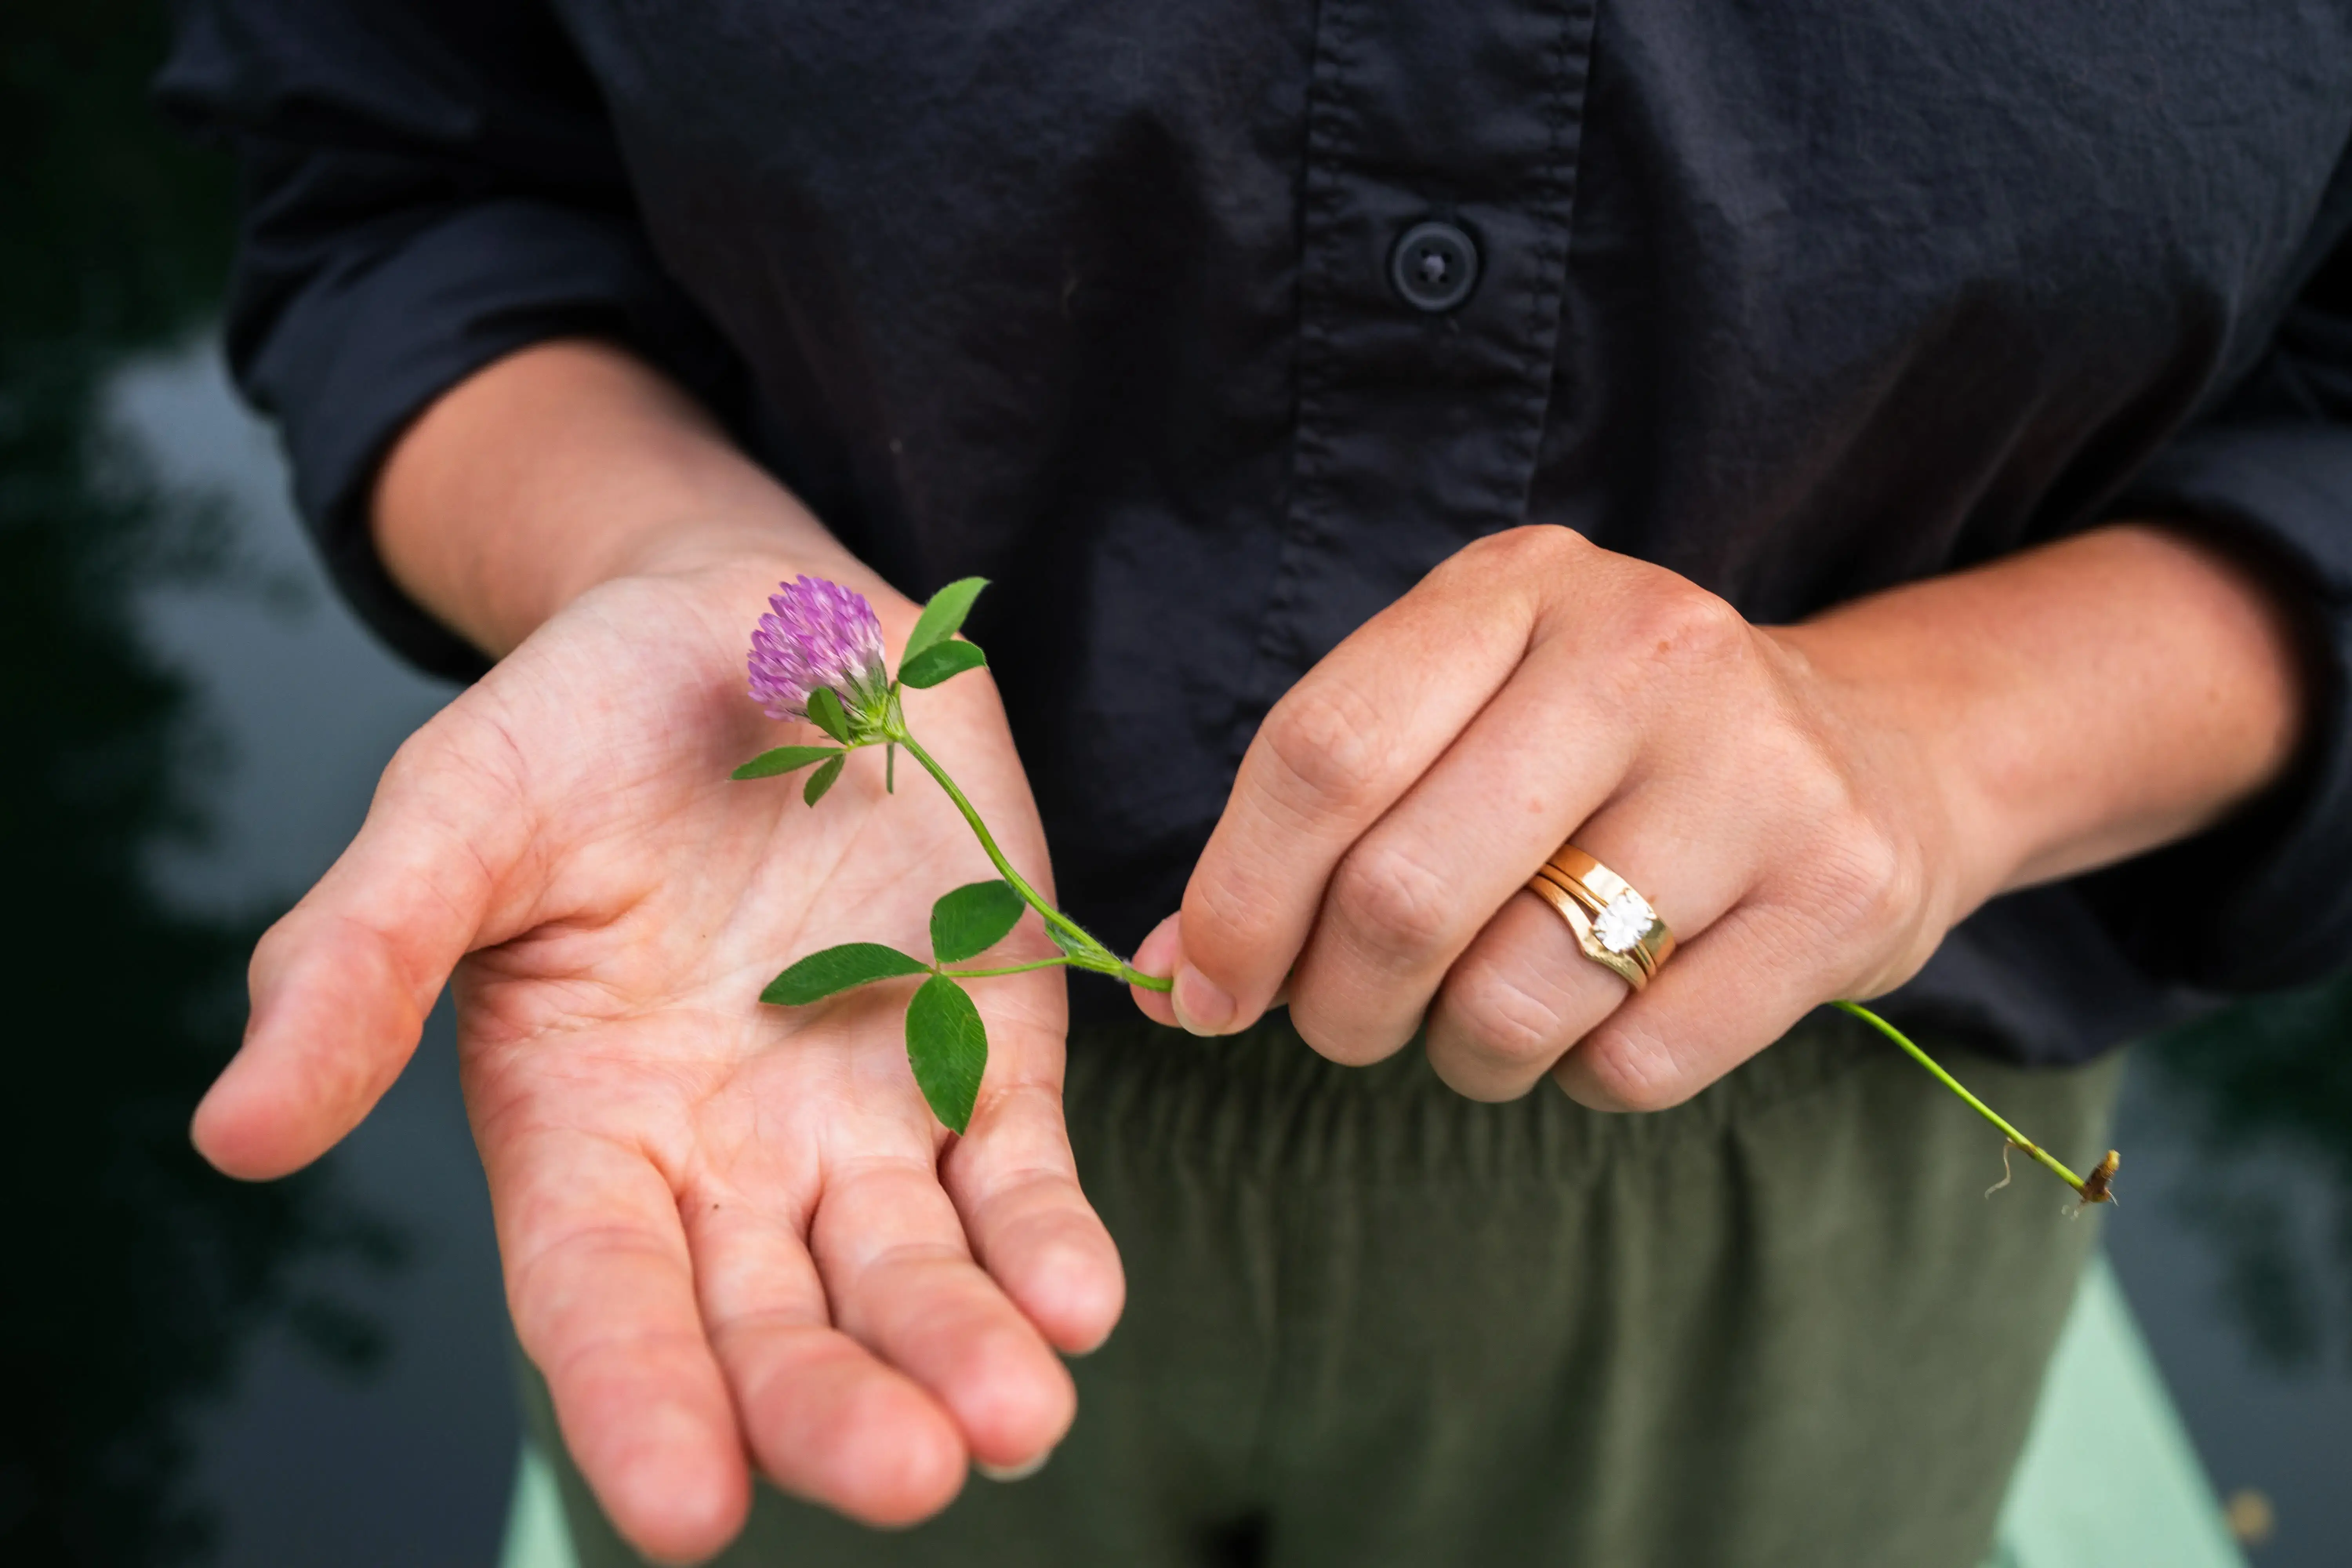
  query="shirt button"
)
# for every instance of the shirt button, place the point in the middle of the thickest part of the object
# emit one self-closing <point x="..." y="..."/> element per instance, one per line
<point x="1434" y="267"/>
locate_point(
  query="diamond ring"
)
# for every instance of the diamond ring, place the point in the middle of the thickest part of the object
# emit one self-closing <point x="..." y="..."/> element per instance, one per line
<point x="1614" y="926"/>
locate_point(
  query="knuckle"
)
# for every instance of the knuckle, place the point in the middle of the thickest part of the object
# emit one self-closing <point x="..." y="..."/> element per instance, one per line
<point x="1680" y="624"/>
<point x="1338" y="1033"/>
<point x="1515" y="553"/>
<point x="1636" y="1070"/>
<point x="1391" y="903"/>
<point x="1804" y="778"/>
<point x="1327" y="741"/>
<point x="276" y="947"/>
<point x="1226" y="916"/>
<point x="1503" y="1023"/>
<point x="464" y="753"/>
<point x="1849" y="874"/>
<point x="1859" y="879"/>
<point x="1871" y="878"/>
<point x="411" y="765"/>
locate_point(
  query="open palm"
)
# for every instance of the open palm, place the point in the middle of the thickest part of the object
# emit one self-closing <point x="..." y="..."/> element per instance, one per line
<point x="725" y="1228"/>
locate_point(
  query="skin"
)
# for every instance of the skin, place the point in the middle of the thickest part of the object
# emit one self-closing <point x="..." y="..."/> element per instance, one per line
<point x="1810" y="808"/>
<point x="734" y="1238"/>
<point x="732" y="1234"/>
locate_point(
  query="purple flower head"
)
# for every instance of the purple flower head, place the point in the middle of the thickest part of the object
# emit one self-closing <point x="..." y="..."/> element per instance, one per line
<point x="819" y="633"/>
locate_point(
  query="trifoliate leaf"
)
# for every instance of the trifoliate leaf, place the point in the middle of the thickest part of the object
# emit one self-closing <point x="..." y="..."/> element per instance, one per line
<point x="823" y="974"/>
<point x="824" y="711"/>
<point x="947" y="1045"/>
<point x="941" y="616"/>
<point x="822" y="780"/>
<point x="939" y="662"/>
<point x="784" y="760"/>
<point x="973" y="919"/>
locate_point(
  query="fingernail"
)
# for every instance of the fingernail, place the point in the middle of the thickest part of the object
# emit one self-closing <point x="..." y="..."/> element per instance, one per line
<point x="1201" y="1005"/>
<point x="1020" y="1472"/>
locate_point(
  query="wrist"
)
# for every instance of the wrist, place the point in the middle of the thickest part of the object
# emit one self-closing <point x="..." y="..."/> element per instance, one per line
<point x="565" y="466"/>
<point x="755" y="551"/>
<point x="2072" y="705"/>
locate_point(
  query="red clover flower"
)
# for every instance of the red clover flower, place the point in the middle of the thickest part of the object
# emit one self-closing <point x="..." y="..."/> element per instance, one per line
<point x="819" y="633"/>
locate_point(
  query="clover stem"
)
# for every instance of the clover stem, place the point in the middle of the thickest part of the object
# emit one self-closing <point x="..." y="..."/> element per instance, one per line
<point x="1058" y="959"/>
<point x="1091" y="954"/>
<point x="1134" y="976"/>
<point x="1036" y="900"/>
<point x="2041" y="1155"/>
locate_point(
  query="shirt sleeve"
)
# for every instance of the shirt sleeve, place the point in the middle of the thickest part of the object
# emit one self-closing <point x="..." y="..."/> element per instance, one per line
<point x="2266" y="898"/>
<point x="429" y="185"/>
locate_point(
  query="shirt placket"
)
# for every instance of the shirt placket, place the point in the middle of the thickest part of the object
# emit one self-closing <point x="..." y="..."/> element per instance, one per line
<point x="1440" y="181"/>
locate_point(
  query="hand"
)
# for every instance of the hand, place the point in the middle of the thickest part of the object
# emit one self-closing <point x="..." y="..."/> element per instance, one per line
<point x="725" y="1227"/>
<point x="1809" y="808"/>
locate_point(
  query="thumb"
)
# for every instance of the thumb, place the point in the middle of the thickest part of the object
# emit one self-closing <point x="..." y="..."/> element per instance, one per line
<point x="340" y="986"/>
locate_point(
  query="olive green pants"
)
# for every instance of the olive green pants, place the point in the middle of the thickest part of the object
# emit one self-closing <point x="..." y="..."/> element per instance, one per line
<point x="1372" y="1323"/>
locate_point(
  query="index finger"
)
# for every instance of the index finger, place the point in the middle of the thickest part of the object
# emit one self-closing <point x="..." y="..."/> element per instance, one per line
<point x="1340" y="748"/>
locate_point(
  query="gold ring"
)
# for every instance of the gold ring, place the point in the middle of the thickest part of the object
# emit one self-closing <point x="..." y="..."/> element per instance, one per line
<point x="1614" y="926"/>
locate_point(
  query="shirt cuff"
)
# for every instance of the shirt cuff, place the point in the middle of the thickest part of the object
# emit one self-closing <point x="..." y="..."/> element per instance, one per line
<point x="406" y="312"/>
<point x="2264" y="899"/>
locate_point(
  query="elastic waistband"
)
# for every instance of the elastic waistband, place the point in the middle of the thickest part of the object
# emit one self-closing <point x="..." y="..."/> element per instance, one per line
<point x="1262" y="1104"/>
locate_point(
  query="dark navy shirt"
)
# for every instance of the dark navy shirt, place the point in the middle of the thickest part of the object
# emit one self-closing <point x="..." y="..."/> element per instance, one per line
<point x="1206" y="328"/>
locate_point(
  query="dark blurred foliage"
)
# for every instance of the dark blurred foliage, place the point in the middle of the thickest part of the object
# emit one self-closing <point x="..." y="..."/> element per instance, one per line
<point x="2265" y="1090"/>
<point x="130" y="1273"/>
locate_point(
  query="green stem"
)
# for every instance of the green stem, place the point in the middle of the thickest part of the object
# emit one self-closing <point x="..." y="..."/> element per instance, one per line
<point x="1059" y="958"/>
<point x="1092" y="954"/>
<point x="1036" y="900"/>
<point x="2039" y="1154"/>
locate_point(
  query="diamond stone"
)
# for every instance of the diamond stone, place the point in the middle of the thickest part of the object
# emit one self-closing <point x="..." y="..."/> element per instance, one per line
<point x="1624" y="922"/>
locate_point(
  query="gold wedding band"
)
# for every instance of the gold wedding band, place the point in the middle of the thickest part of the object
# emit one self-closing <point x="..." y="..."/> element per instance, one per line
<point x="1614" y="926"/>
